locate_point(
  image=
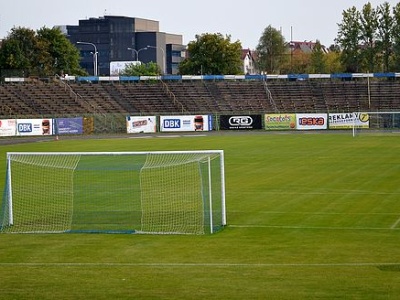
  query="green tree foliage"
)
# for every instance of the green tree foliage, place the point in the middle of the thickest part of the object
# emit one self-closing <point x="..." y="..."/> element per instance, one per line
<point x="317" y="60"/>
<point x="63" y="56"/>
<point x="368" y="30"/>
<point x="18" y="50"/>
<point x="384" y="36"/>
<point x="149" y="69"/>
<point x="43" y="53"/>
<point x="333" y="61"/>
<point x="212" y="54"/>
<point x="370" y="40"/>
<point x="348" y="39"/>
<point x="272" y="51"/>
<point x="396" y="38"/>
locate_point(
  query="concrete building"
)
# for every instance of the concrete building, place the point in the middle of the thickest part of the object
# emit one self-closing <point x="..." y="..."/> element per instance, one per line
<point x="110" y="40"/>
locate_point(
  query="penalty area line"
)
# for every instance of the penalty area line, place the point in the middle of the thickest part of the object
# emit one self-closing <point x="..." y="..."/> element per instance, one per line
<point x="313" y="227"/>
<point x="179" y="265"/>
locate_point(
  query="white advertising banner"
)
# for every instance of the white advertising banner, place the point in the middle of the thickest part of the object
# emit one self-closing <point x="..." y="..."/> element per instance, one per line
<point x="311" y="121"/>
<point x="116" y="67"/>
<point x="186" y="123"/>
<point x="8" y="127"/>
<point x="34" y="127"/>
<point x="143" y="124"/>
<point x="348" y="120"/>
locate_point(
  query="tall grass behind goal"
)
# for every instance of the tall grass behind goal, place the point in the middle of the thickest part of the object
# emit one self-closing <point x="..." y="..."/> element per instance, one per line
<point x="377" y="122"/>
<point x="159" y="192"/>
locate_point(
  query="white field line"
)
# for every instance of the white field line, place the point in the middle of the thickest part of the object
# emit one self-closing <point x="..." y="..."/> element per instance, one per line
<point x="169" y="265"/>
<point x="321" y="213"/>
<point x="394" y="226"/>
<point x="331" y="192"/>
<point x="310" y="227"/>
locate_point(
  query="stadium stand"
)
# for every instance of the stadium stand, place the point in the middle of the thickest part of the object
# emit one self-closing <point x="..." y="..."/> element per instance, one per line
<point x="142" y="97"/>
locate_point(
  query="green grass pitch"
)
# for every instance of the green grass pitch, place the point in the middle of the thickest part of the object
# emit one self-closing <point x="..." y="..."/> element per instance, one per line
<point x="310" y="216"/>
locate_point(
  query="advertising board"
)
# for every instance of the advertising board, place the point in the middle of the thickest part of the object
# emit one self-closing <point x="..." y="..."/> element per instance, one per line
<point x="280" y="121"/>
<point x="69" y="126"/>
<point x="7" y="127"/>
<point x="186" y="123"/>
<point x="311" y="121"/>
<point x="142" y="124"/>
<point x="348" y="120"/>
<point x="240" y="122"/>
<point x="29" y="127"/>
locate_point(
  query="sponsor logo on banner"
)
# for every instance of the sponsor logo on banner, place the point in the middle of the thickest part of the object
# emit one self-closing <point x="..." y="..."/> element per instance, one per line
<point x="186" y="123"/>
<point x="280" y="121"/>
<point x="7" y="127"/>
<point x="241" y="122"/>
<point x="69" y="125"/>
<point x="34" y="126"/>
<point x="348" y="120"/>
<point x="172" y="123"/>
<point x="311" y="121"/>
<point x="24" y="127"/>
<point x="142" y="124"/>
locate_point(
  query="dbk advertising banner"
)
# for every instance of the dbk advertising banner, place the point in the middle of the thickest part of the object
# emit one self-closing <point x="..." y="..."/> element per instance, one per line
<point x="34" y="127"/>
<point x="186" y="123"/>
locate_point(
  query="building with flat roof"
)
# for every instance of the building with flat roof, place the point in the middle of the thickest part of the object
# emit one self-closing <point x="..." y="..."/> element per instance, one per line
<point x="107" y="40"/>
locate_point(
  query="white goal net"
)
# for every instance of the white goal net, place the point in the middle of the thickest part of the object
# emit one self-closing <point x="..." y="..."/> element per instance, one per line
<point x="164" y="192"/>
<point x="376" y="122"/>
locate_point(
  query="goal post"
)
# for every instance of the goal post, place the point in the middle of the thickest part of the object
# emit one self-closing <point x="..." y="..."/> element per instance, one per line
<point x="154" y="192"/>
<point x="379" y="122"/>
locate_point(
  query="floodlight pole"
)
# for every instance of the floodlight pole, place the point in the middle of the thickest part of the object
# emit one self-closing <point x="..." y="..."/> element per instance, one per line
<point x="137" y="52"/>
<point x="95" y="71"/>
<point x="163" y="52"/>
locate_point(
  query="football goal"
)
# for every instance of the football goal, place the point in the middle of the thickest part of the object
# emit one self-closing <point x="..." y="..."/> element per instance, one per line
<point x="376" y="122"/>
<point x="159" y="192"/>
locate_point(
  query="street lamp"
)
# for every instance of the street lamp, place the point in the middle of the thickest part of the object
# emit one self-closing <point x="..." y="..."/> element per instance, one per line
<point x="137" y="52"/>
<point x="163" y="52"/>
<point x="95" y="53"/>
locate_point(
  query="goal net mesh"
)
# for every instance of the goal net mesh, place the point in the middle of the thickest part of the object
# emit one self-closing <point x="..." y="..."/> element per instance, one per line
<point x="376" y="122"/>
<point x="161" y="193"/>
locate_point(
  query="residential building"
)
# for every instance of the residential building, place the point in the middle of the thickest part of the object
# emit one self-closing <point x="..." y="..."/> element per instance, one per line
<point x="249" y="62"/>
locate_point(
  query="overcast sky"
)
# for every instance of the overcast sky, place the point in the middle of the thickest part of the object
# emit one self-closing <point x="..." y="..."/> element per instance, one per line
<point x="242" y="20"/>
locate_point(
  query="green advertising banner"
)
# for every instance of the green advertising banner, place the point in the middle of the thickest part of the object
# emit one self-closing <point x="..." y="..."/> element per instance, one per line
<point x="280" y="121"/>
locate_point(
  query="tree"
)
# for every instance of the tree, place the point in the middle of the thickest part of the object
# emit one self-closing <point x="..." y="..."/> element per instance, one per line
<point x="384" y="37"/>
<point x="149" y="69"/>
<point x="63" y="57"/>
<point x="396" y="37"/>
<point x="272" y="50"/>
<point x="25" y="52"/>
<point x="333" y="61"/>
<point x="212" y="54"/>
<point x="18" y="50"/>
<point x="348" y="40"/>
<point x="317" y="60"/>
<point x="368" y="33"/>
